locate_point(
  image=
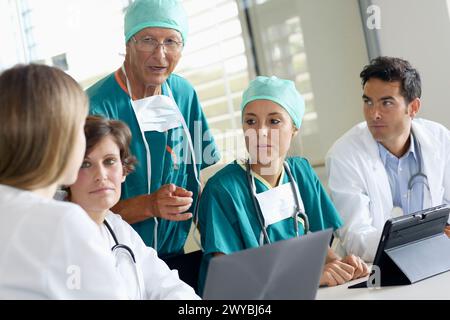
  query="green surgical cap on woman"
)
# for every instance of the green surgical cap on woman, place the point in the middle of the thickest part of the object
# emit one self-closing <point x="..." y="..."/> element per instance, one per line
<point x="143" y="14"/>
<point x="280" y="91"/>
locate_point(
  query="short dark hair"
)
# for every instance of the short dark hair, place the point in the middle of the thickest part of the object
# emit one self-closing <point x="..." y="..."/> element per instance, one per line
<point x="394" y="69"/>
<point x="97" y="127"/>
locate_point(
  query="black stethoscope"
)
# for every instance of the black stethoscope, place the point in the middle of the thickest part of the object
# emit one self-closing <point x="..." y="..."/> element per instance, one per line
<point x="117" y="250"/>
<point x="298" y="212"/>
<point x="118" y="245"/>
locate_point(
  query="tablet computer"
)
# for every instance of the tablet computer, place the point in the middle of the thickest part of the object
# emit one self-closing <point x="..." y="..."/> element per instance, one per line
<point x="411" y="248"/>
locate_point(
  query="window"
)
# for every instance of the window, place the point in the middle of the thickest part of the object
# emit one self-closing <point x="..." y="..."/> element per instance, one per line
<point x="26" y="12"/>
<point x="217" y="59"/>
<point x="280" y="49"/>
<point x="60" y="61"/>
<point x="215" y="62"/>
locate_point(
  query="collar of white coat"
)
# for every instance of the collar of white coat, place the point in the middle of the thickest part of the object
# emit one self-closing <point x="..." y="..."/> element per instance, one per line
<point x="424" y="139"/>
<point x="430" y="156"/>
<point x="110" y="216"/>
<point x="381" y="180"/>
<point x="106" y="235"/>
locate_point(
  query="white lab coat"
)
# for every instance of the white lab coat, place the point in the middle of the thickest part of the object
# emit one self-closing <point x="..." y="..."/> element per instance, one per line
<point x="157" y="281"/>
<point x="359" y="184"/>
<point x="52" y="250"/>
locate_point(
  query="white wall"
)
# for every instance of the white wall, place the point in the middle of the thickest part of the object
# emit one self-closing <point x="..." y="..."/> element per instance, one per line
<point x="336" y="51"/>
<point x="419" y="31"/>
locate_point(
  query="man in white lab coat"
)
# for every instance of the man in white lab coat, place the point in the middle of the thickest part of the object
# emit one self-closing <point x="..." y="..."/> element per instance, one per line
<point x="392" y="163"/>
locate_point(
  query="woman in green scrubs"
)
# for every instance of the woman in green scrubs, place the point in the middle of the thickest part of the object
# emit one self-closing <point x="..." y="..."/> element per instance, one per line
<point x="272" y="112"/>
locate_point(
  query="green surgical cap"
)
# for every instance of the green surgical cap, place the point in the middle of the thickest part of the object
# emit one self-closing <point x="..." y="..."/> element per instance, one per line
<point x="143" y="14"/>
<point x="280" y="91"/>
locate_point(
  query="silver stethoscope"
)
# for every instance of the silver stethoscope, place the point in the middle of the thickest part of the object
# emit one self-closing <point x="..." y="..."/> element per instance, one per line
<point x="418" y="178"/>
<point x="298" y="211"/>
<point x="120" y="250"/>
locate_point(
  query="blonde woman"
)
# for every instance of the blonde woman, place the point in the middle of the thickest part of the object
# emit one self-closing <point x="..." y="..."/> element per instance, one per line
<point x="48" y="249"/>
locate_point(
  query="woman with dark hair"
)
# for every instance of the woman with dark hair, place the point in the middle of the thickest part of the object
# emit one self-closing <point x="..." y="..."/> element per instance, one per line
<point x="106" y="164"/>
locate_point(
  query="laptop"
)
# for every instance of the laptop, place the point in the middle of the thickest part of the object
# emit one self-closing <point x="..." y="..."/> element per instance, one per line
<point x="285" y="270"/>
<point x="412" y="247"/>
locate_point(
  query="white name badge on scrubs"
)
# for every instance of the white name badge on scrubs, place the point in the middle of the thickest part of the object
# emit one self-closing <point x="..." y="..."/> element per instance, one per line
<point x="157" y="113"/>
<point x="278" y="204"/>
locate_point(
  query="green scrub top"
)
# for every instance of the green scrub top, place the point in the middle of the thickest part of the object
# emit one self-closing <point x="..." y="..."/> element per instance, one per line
<point x="228" y="220"/>
<point x="170" y="156"/>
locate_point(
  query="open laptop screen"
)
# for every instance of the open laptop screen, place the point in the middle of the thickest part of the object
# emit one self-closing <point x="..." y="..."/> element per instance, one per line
<point x="288" y="269"/>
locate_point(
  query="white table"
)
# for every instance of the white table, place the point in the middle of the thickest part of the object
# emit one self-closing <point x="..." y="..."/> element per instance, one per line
<point x="434" y="288"/>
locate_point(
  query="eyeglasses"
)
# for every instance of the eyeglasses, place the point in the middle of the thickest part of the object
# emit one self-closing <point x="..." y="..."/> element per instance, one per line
<point x="148" y="44"/>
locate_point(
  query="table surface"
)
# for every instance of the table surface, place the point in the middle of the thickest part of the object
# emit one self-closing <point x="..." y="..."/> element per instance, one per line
<point x="434" y="288"/>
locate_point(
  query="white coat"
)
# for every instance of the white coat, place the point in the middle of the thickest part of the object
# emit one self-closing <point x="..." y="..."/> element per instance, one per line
<point x="52" y="250"/>
<point x="360" y="188"/>
<point x="157" y="281"/>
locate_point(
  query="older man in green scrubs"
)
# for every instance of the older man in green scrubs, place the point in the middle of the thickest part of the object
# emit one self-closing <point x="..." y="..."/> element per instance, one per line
<point x="170" y="134"/>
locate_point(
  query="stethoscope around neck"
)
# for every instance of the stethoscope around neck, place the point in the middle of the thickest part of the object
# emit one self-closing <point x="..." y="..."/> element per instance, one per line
<point x="298" y="212"/>
<point x="418" y="178"/>
<point x="118" y="245"/>
<point x="117" y="250"/>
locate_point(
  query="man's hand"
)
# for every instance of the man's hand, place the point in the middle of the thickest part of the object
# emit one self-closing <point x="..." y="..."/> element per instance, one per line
<point x="361" y="268"/>
<point x="336" y="273"/>
<point x="447" y="231"/>
<point x="170" y="202"/>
